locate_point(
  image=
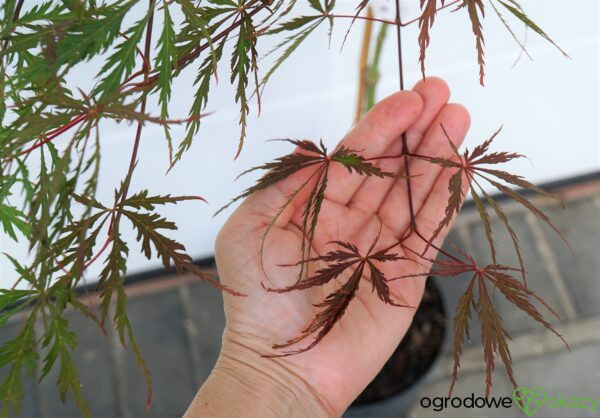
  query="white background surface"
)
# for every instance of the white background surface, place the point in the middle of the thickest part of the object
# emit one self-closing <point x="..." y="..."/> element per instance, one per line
<point x="549" y="108"/>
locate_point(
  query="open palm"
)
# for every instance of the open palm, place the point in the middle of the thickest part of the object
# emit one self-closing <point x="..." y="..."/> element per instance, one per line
<point x="355" y="209"/>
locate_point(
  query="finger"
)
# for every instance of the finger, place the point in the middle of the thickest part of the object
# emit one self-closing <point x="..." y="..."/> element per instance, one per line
<point x="372" y="192"/>
<point x="380" y="127"/>
<point x="394" y="211"/>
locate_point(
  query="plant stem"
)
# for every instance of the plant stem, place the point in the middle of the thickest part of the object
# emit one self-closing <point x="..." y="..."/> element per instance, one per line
<point x="138" y="133"/>
<point x="56" y="132"/>
<point x="413" y="225"/>
<point x="402" y="155"/>
<point x="406" y="153"/>
<point x="391" y="22"/>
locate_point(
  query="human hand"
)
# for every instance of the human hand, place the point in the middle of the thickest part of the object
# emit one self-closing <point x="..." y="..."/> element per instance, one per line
<point x="326" y="379"/>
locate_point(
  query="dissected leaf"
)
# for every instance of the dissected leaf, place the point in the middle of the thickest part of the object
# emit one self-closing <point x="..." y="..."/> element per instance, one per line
<point x="475" y="8"/>
<point x="20" y="355"/>
<point x="120" y="64"/>
<point x="141" y="200"/>
<point x="171" y="252"/>
<point x="165" y="60"/>
<point x="518" y="12"/>
<point x="308" y="155"/>
<point x="510" y="30"/>
<point x="291" y="43"/>
<point x="60" y="342"/>
<point x="473" y="167"/>
<point x="426" y="20"/>
<point x="334" y="306"/>
<point x="12" y="218"/>
<point x="346" y="259"/>
<point x="283" y="167"/>
<point x="125" y="330"/>
<point x="462" y="318"/>
<point x="493" y="334"/>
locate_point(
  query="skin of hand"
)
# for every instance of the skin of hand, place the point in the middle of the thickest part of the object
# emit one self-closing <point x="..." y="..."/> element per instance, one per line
<point x="326" y="379"/>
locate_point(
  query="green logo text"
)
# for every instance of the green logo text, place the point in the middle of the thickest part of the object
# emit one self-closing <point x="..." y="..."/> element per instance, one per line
<point x="530" y="400"/>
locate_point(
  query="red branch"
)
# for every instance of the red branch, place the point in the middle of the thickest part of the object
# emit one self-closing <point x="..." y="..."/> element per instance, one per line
<point x="391" y="22"/>
<point x="56" y="132"/>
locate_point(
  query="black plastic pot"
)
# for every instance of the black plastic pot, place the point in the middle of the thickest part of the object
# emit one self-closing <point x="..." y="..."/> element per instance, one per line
<point x="395" y="388"/>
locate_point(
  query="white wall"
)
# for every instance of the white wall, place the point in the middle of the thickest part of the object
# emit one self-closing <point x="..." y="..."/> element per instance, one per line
<point x="549" y="109"/>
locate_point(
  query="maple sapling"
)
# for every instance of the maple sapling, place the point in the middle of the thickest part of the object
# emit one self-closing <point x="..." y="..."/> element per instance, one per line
<point x="51" y="144"/>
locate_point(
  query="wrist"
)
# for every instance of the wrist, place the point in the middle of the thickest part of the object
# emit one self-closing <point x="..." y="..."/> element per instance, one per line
<point x="245" y="384"/>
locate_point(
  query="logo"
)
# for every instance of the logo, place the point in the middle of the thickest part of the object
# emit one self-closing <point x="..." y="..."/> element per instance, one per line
<point x="439" y="403"/>
<point x="530" y="400"/>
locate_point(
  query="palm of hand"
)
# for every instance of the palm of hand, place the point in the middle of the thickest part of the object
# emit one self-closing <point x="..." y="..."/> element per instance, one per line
<point x="355" y="210"/>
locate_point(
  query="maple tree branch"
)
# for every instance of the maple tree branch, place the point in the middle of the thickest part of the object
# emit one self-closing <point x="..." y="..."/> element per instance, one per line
<point x="400" y="243"/>
<point x="18" y="10"/>
<point x="435" y="247"/>
<point x="413" y="224"/>
<point x="148" y="80"/>
<point x="51" y="135"/>
<point x="99" y="253"/>
<point x="390" y="22"/>
<point x="56" y="132"/>
<point x="138" y="133"/>
<point x="401" y="155"/>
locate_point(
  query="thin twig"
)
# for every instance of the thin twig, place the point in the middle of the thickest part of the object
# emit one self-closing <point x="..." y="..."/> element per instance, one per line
<point x="390" y="22"/>
<point x="138" y="133"/>
<point x="413" y="224"/>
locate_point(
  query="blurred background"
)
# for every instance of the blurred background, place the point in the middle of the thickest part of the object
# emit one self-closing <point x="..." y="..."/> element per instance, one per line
<point x="549" y="110"/>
